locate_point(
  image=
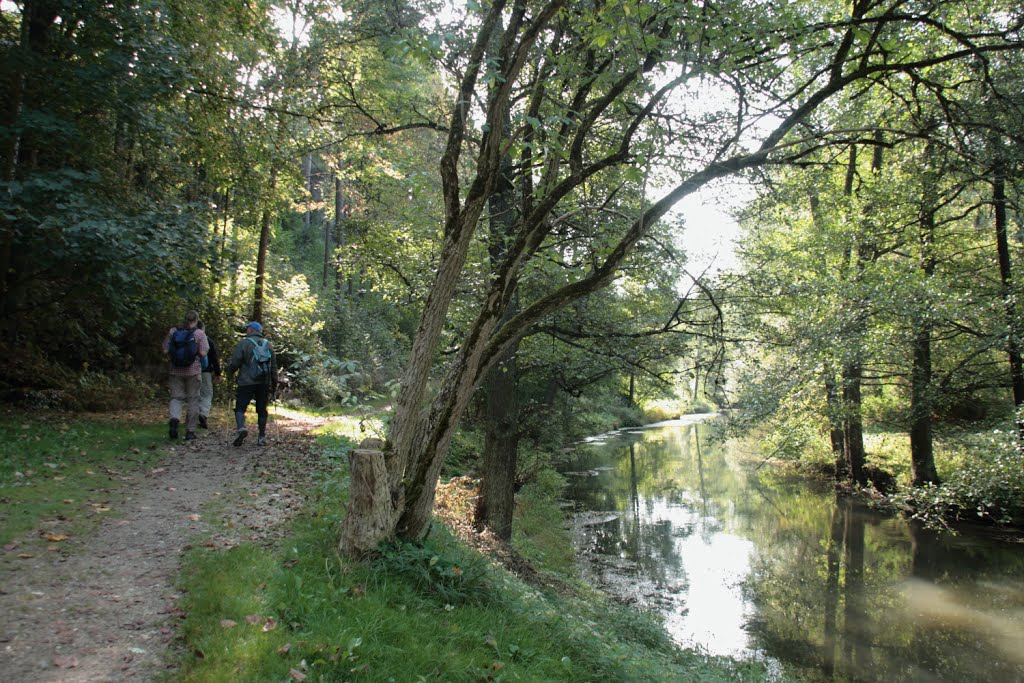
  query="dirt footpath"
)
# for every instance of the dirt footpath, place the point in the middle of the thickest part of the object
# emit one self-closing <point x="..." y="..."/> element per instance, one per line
<point x="104" y="607"/>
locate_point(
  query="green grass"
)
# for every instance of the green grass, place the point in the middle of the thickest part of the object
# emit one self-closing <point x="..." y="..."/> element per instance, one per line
<point x="431" y="612"/>
<point x="61" y="467"/>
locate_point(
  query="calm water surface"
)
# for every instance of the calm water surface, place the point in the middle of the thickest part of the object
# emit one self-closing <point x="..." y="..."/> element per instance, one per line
<point x="747" y="561"/>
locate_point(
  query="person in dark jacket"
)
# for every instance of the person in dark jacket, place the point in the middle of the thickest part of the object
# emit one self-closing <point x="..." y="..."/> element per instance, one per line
<point x="211" y="376"/>
<point x="251" y="386"/>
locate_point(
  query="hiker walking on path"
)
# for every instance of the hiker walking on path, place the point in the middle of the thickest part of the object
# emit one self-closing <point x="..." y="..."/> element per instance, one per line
<point x="210" y="376"/>
<point x="186" y="346"/>
<point x="254" y="359"/>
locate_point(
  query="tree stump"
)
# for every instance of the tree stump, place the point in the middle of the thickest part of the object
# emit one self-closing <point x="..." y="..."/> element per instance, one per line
<point x="370" y="516"/>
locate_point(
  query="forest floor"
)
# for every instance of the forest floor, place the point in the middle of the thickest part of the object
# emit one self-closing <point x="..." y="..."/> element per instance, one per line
<point x="103" y="607"/>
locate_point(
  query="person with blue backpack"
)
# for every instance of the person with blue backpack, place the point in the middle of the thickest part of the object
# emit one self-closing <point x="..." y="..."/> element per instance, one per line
<point x="186" y="346"/>
<point x="254" y="360"/>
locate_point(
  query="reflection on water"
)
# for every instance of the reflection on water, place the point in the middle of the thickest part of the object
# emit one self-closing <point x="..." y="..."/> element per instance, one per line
<point x="751" y="562"/>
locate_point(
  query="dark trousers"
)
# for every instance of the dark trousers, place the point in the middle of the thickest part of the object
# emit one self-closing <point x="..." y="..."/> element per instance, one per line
<point x="245" y="395"/>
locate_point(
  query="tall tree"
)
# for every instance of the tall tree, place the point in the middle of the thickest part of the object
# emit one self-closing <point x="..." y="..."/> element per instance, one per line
<point x="610" y="96"/>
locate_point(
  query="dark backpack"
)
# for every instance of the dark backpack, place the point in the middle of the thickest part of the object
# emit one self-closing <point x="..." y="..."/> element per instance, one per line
<point x="183" y="348"/>
<point x="258" y="366"/>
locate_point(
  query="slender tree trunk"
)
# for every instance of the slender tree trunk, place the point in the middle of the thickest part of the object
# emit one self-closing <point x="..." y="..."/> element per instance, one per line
<point x="852" y="371"/>
<point x="266" y="223"/>
<point x="1006" y="280"/>
<point x="307" y="177"/>
<point x="328" y="228"/>
<point x="922" y="456"/>
<point x="833" y="399"/>
<point x="342" y="283"/>
<point x="834" y="407"/>
<point x="853" y="426"/>
<point x="223" y="206"/>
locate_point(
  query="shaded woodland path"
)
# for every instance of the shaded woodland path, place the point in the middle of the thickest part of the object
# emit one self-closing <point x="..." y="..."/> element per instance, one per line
<point x="104" y="607"/>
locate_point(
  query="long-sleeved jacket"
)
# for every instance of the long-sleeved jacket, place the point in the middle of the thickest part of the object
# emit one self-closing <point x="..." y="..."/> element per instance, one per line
<point x="212" y="358"/>
<point x="240" y="361"/>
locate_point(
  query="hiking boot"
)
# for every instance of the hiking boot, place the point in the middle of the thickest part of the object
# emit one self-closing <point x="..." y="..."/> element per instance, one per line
<point x="240" y="437"/>
<point x="262" y="440"/>
<point x="172" y="428"/>
<point x="190" y="436"/>
<point x="202" y="422"/>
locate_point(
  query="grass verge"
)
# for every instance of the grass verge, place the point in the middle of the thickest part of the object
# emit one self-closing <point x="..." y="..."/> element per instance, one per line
<point x="434" y="611"/>
<point x="67" y="468"/>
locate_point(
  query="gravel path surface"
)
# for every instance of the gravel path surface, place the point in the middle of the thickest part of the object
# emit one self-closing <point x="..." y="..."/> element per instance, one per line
<point x="104" y="607"/>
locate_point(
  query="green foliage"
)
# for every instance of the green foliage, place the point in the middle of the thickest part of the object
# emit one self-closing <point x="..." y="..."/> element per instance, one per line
<point x="464" y="453"/>
<point x="539" y="533"/>
<point x="439" y="568"/>
<point x="982" y="481"/>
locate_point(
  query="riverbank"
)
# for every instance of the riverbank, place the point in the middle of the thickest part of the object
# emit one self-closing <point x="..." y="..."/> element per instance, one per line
<point x="245" y="583"/>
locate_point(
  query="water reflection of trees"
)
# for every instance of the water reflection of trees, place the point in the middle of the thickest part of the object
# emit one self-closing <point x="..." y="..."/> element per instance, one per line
<point x="856" y="580"/>
<point x="828" y="580"/>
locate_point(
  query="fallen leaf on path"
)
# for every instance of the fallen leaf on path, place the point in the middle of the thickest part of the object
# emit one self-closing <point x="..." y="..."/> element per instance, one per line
<point x="158" y="470"/>
<point x="56" y="538"/>
<point x="10" y="546"/>
<point x="296" y="675"/>
<point x="65" y="662"/>
<point x="24" y="556"/>
<point x="194" y="517"/>
<point x="228" y="623"/>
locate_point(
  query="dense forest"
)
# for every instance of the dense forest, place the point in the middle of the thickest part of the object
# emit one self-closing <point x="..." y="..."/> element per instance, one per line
<point x="467" y="210"/>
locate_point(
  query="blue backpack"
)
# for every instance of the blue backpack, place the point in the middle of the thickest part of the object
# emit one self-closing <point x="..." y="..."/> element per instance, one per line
<point x="183" y="348"/>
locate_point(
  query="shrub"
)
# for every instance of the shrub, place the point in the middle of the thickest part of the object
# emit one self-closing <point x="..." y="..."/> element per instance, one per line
<point x="988" y="484"/>
<point x="454" y="575"/>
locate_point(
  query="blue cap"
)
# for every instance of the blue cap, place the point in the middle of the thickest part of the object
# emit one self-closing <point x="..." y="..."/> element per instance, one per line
<point x="256" y="326"/>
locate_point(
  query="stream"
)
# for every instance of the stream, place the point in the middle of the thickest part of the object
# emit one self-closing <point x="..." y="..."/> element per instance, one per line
<point x="750" y="561"/>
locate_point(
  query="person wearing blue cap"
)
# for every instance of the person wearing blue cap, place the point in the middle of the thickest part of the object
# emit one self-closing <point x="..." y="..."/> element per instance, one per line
<point x="256" y="364"/>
